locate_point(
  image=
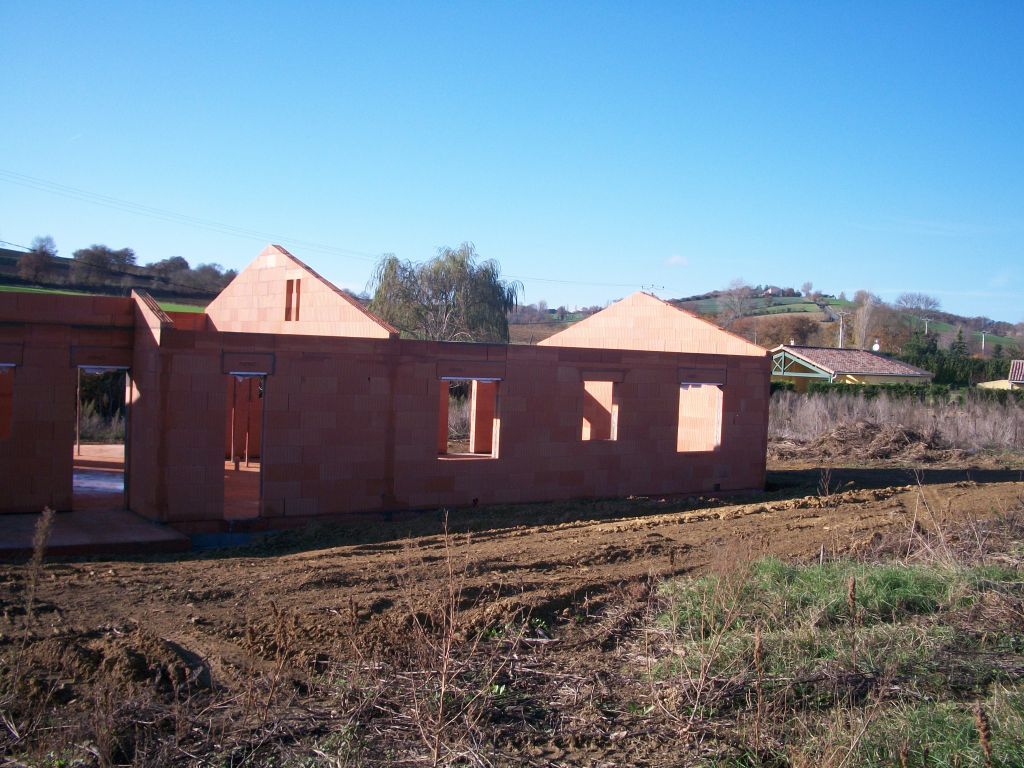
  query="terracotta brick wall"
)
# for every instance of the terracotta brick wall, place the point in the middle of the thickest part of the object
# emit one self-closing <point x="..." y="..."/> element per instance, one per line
<point x="641" y="321"/>
<point x="351" y="424"/>
<point x="279" y="294"/>
<point x="49" y="335"/>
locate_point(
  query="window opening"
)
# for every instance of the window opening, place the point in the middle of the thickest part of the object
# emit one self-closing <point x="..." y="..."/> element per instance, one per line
<point x="292" y="299"/>
<point x="600" y="410"/>
<point x="468" y="418"/>
<point x="700" y="418"/>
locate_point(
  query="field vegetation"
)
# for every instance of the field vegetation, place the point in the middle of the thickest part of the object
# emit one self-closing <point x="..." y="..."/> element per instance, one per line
<point x="836" y="424"/>
<point x="912" y="656"/>
<point x="866" y="611"/>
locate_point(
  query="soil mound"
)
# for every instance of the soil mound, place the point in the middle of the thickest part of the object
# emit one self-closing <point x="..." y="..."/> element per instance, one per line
<point x="866" y="441"/>
<point x="130" y="663"/>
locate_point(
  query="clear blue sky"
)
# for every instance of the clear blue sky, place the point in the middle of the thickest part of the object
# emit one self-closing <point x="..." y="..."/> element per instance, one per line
<point x="610" y="146"/>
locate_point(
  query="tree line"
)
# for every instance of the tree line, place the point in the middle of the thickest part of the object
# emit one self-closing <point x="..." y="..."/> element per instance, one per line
<point x="100" y="266"/>
<point x="954" y="366"/>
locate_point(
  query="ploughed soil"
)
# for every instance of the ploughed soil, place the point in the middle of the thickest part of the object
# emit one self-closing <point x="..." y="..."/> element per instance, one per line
<point x="571" y="576"/>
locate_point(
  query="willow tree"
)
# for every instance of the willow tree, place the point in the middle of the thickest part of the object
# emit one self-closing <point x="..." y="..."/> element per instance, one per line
<point x="452" y="297"/>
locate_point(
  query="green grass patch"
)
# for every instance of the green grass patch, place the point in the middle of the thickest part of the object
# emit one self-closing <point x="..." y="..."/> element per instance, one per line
<point x="774" y="594"/>
<point x="166" y="306"/>
<point x="174" y="306"/>
<point x="896" y="662"/>
<point x="755" y="306"/>
<point x="37" y="289"/>
<point x="948" y="732"/>
<point x="938" y="326"/>
<point x="785" y="309"/>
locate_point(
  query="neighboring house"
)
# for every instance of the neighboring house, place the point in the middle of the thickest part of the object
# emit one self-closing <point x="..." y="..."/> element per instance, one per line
<point x="343" y="416"/>
<point x="1015" y="380"/>
<point x="802" y="365"/>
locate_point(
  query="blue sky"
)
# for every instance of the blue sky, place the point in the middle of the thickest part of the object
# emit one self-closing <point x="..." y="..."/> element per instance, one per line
<point x="591" y="148"/>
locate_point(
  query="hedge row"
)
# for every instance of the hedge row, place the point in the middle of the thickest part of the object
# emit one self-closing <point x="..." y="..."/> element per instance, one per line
<point x="925" y="393"/>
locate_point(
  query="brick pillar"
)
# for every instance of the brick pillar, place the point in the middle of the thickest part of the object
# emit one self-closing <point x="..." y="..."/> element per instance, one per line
<point x="442" y="417"/>
<point x="482" y="413"/>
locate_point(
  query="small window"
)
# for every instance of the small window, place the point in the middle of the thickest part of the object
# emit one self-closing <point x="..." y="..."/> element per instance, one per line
<point x="468" y="420"/>
<point x="600" y="410"/>
<point x="6" y="400"/>
<point x="700" y="418"/>
<point x="292" y="299"/>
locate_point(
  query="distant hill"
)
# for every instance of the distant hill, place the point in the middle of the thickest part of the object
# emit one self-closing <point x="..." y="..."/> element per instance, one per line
<point x="772" y="319"/>
<point x="770" y="315"/>
<point x="531" y="333"/>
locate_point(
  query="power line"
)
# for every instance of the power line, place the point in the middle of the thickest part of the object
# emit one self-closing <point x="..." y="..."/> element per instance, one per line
<point x="160" y="214"/>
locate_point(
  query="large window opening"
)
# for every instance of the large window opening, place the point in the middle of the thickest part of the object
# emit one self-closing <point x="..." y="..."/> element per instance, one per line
<point x="101" y="424"/>
<point x="700" y="418"/>
<point x="243" y="449"/>
<point x="600" y="410"/>
<point x="468" y="419"/>
<point x="6" y="400"/>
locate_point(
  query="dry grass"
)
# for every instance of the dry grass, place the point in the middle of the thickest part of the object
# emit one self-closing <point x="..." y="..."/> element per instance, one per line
<point x="968" y="426"/>
<point x="94" y="428"/>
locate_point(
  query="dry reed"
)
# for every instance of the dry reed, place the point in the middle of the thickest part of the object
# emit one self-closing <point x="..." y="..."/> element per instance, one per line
<point x="970" y="425"/>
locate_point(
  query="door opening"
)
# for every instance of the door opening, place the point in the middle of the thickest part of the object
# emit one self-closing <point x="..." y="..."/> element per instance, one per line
<point x="243" y="447"/>
<point x="101" y="428"/>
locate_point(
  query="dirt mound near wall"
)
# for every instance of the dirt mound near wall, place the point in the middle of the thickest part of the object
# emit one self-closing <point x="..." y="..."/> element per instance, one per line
<point x="128" y="662"/>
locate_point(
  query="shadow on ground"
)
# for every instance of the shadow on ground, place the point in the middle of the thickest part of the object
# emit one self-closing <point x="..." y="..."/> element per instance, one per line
<point x="385" y="531"/>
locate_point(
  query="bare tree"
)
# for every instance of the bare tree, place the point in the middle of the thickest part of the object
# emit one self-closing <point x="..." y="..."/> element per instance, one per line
<point x="771" y="330"/>
<point x="735" y="302"/>
<point x="917" y="302"/>
<point x="864" y="317"/>
<point x="807" y="288"/>
<point x="35" y="265"/>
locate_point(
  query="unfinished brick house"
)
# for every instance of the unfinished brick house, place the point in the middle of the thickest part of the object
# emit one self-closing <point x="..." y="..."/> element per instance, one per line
<point x="334" y="414"/>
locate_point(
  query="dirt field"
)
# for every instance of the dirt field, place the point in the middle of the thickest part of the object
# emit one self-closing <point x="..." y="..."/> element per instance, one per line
<point x="564" y="569"/>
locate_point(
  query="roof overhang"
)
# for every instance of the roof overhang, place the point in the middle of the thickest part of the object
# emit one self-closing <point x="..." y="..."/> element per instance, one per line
<point x="783" y="362"/>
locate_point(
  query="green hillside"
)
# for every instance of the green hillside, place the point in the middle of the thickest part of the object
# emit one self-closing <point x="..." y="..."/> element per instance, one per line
<point x="166" y="306"/>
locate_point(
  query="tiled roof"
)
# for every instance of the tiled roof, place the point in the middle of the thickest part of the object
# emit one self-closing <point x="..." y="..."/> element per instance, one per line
<point x="853" y="361"/>
<point x="1017" y="371"/>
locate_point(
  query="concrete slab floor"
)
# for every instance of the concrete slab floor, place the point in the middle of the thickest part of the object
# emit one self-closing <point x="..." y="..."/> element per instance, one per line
<point x="98" y="481"/>
<point x="97" y="524"/>
<point x="90" y="532"/>
<point x="241" y="490"/>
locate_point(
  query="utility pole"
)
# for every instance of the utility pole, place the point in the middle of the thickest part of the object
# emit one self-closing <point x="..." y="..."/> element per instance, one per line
<point x="842" y="327"/>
